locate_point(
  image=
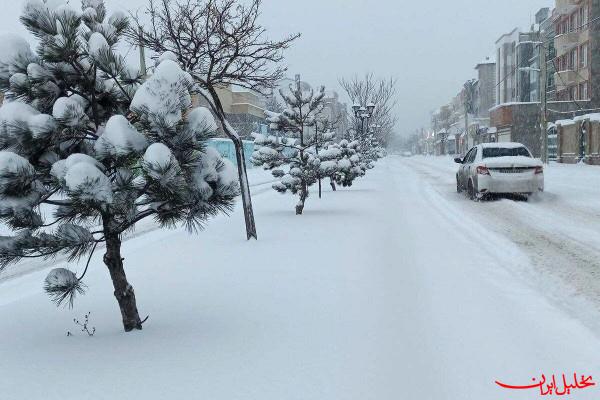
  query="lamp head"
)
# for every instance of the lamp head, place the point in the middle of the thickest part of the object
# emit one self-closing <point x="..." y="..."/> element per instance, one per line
<point x="371" y="108"/>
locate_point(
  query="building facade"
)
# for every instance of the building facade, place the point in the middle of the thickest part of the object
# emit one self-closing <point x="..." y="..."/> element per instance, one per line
<point x="506" y="56"/>
<point x="245" y="110"/>
<point x="526" y="61"/>
<point x="544" y="21"/>
<point x="336" y="112"/>
<point x="577" y="60"/>
<point x="485" y="91"/>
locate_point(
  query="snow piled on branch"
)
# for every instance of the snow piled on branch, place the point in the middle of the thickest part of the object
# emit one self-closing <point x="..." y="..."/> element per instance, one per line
<point x="60" y="277"/>
<point x="213" y="169"/>
<point x="11" y="163"/>
<point x="167" y="55"/>
<point x="70" y="110"/>
<point x="165" y="95"/>
<point x="59" y="169"/>
<point x="97" y="45"/>
<point x="66" y="12"/>
<point x="12" y="49"/>
<point x="41" y="125"/>
<point x="39" y="5"/>
<point x="11" y="203"/>
<point x="159" y="155"/>
<point x="89" y="183"/>
<point x="120" y="138"/>
<point x="200" y="119"/>
<point x="16" y="113"/>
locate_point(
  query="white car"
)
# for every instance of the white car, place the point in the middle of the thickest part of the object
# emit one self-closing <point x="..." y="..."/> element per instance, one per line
<point x="499" y="168"/>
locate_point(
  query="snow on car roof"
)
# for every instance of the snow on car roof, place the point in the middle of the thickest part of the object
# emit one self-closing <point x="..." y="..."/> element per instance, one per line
<point x="502" y="145"/>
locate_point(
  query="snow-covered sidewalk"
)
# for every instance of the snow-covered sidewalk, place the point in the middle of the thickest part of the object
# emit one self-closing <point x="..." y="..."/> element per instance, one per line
<point x="388" y="290"/>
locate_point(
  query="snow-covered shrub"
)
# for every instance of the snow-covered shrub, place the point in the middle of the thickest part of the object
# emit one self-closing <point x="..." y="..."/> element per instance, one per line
<point x="349" y="163"/>
<point x="83" y="136"/>
<point x="292" y="156"/>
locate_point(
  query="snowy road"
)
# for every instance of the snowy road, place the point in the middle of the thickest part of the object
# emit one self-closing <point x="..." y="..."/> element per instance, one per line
<point x="559" y="231"/>
<point x="395" y="289"/>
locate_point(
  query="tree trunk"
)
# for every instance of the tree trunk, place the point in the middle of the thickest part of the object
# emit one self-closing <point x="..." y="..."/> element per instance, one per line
<point x="217" y="108"/>
<point x="245" y="189"/>
<point x="320" y="189"/>
<point x="332" y="183"/>
<point x="123" y="290"/>
<point x="303" y="197"/>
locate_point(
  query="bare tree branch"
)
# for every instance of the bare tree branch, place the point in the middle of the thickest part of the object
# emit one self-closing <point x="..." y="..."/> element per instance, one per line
<point x="382" y="93"/>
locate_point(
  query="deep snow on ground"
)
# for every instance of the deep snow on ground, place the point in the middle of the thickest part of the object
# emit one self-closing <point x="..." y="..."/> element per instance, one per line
<point x="558" y="230"/>
<point x="392" y="289"/>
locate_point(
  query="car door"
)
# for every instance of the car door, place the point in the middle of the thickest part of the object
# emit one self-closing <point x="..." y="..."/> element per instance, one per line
<point x="464" y="169"/>
<point x="470" y="164"/>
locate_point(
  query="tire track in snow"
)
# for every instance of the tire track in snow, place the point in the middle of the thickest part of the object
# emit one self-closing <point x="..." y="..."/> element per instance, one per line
<point x="542" y="230"/>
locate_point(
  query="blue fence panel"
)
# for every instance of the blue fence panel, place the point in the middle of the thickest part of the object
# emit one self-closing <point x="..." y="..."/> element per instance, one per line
<point x="227" y="150"/>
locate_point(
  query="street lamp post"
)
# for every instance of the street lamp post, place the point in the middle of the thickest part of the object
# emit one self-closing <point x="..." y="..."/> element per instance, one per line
<point x="364" y="114"/>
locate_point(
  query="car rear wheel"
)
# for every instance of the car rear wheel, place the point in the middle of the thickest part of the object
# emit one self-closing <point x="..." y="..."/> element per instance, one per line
<point x="471" y="190"/>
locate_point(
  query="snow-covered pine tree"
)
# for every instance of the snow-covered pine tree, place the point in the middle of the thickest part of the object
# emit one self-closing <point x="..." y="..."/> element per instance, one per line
<point x="349" y="165"/>
<point x="87" y="150"/>
<point x="324" y="136"/>
<point x="369" y="149"/>
<point x="295" y="148"/>
<point x="341" y="163"/>
<point x="220" y="43"/>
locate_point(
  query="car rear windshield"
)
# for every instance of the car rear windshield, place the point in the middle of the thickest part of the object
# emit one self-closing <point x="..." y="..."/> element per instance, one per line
<point x="491" y="152"/>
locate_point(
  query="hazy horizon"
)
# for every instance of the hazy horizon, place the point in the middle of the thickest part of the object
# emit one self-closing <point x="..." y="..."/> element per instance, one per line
<point x="431" y="48"/>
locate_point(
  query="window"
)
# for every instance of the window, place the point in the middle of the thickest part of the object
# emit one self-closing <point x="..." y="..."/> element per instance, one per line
<point x="583" y="91"/>
<point x="573" y="22"/>
<point x="583" y="20"/>
<point x="583" y="56"/>
<point x="573" y="60"/>
<point x="492" y="152"/>
<point x="472" y="155"/>
<point x="572" y="93"/>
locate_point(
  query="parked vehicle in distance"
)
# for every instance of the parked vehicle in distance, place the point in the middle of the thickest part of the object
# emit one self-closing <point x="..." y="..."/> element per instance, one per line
<point x="499" y="168"/>
<point x="407" y="154"/>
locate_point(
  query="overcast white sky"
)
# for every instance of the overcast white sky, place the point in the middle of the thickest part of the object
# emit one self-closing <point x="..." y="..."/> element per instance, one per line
<point x="431" y="46"/>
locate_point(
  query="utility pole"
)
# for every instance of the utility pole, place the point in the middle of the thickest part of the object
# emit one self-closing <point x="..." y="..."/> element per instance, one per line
<point x="543" y="100"/>
<point x="469" y="90"/>
<point x="467" y="135"/>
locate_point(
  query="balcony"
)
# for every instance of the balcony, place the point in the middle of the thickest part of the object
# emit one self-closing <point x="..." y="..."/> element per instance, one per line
<point x="567" y="41"/>
<point x="565" y="7"/>
<point x="564" y="79"/>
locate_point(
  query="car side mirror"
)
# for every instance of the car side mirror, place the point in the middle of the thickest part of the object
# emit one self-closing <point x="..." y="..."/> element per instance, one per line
<point x="458" y="160"/>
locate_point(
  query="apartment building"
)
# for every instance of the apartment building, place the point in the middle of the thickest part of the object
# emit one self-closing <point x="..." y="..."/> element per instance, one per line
<point x="336" y="112"/>
<point x="506" y="56"/>
<point x="576" y="44"/>
<point x="485" y="89"/>
<point x="543" y="19"/>
<point x="528" y="58"/>
<point x="245" y="109"/>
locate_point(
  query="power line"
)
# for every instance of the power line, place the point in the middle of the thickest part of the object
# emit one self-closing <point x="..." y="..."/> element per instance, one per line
<point x="571" y="112"/>
<point x="565" y="85"/>
<point x="542" y="43"/>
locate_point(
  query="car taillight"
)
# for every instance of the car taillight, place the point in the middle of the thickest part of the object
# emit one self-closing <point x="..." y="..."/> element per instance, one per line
<point x="539" y="170"/>
<point x="483" y="170"/>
